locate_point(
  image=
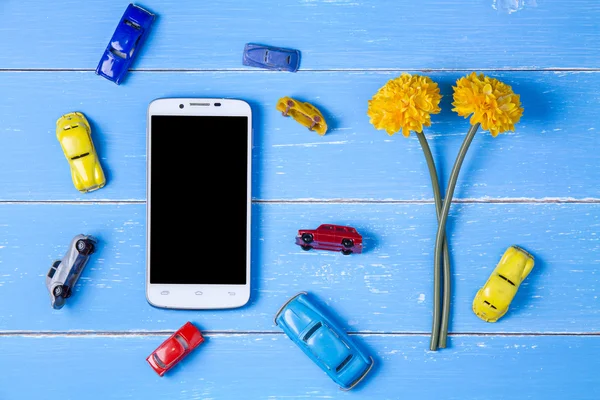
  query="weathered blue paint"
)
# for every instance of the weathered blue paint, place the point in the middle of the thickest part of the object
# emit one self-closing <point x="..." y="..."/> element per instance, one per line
<point x="340" y="34"/>
<point x="269" y="366"/>
<point x="551" y="154"/>
<point x="387" y="288"/>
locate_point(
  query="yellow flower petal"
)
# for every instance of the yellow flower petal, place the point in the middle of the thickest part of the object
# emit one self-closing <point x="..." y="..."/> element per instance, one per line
<point x="488" y="102"/>
<point x="404" y="104"/>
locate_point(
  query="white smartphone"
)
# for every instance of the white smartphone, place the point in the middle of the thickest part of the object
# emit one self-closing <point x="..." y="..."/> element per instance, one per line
<point x="199" y="194"/>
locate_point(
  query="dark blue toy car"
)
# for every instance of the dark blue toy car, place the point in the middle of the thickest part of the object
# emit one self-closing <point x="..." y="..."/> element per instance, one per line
<point x="269" y="57"/>
<point x="303" y="320"/>
<point x="129" y="35"/>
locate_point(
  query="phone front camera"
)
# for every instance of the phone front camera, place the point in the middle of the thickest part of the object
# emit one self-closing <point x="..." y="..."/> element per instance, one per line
<point x="217" y="104"/>
<point x="181" y="106"/>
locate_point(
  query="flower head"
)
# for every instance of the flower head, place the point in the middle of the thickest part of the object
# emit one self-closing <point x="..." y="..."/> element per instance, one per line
<point x="488" y="101"/>
<point x="404" y="103"/>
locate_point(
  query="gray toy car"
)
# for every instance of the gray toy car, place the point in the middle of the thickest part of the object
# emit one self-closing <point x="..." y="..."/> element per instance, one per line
<point x="64" y="274"/>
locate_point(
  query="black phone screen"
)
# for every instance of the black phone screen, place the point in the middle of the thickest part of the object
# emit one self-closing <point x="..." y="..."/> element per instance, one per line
<point x="198" y="199"/>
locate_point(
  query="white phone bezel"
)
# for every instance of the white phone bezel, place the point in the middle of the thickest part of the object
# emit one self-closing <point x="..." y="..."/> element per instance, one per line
<point x="193" y="296"/>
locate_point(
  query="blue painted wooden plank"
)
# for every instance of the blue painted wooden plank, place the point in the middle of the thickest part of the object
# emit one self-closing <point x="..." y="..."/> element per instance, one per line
<point x="267" y="366"/>
<point x="551" y="155"/>
<point x="331" y="34"/>
<point x="388" y="288"/>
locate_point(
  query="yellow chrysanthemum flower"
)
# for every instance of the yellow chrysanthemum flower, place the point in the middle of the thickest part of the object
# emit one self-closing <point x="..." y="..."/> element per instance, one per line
<point x="488" y="101"/>
<point x="406" y="103"/>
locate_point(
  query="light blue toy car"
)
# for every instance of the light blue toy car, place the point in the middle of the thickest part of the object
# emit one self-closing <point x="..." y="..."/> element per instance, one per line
<point x="330" y="347"/>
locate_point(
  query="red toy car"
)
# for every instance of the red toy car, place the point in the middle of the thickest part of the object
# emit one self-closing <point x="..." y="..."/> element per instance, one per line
<point x="331" y="237"/>
<point x="177" y="346"/>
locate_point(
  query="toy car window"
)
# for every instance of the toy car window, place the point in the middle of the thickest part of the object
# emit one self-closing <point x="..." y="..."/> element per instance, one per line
<point x="134" y="46"/>
<point x="343" y="363"/>
<point x="118" y="53"/>
<point x="489" y="304"/>
<point x="51" y="272"/>
<point x="506" y="279"/>
<point x="132" y="24"/>
<point x="158" y="361"/>
<point x="80" y="156"/>
<point x="312" y="331"/>
<point x="182" y="342"/>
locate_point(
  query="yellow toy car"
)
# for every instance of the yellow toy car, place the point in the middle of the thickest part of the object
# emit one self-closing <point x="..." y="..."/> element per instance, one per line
<point x="74" y="135"/>
<point x="492" y="300"/>
<point x="305" y="113"/>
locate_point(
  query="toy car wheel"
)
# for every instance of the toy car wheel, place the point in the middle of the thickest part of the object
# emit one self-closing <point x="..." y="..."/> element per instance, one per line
<point x="288" y="107"/>
<point x="346" y="252"/>
<point x="84" y="247"/>
<point x="58" y="291"/>
<point x="80" y="245"/>
<point x="347" y="242"/>
<point x="306" y="248"/>
<point x="307" y="238"/>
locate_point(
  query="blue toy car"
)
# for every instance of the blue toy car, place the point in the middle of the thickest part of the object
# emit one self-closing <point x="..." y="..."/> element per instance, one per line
<point x="269" y="57"/>
<point x="306" y="323"/>
<point x="129" y="35"/>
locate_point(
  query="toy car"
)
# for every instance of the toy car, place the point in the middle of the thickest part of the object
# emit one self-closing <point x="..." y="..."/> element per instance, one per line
<point x="175" y="348"/>
<point x="304" y="113"/>
<point x="64" y="274"/>
<point x="74" y="134"/>
<point x="328" y="346"/>
<point x="130" y="34"/>
<point x="492" y="300"/>
<point x="331" y="237"/>
<point x="270" y="57"/>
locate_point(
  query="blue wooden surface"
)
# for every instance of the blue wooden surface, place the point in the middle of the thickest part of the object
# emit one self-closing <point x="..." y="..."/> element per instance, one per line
<point x="269" y="366"/>
<point x="537" y="187"/>
<point x="332" y="34"/>
<point x="550" y="156"/>
<point x="392" y="278"/>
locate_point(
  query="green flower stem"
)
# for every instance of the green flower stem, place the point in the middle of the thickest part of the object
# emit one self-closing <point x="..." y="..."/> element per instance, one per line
<point x="436" y="326"/>
<point x="440" y="237"/>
